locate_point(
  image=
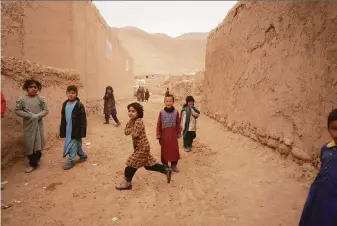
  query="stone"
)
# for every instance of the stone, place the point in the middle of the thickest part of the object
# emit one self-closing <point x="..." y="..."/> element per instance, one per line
<point x="283" y="149"/>
<point x="301" y="155"/>
<point x="272" y="143"/>
<point x="288" y="141"/>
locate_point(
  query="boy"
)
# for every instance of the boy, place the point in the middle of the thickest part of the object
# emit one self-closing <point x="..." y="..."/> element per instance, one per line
<point x="189" y="115"/>
<point x="147" y="95"/>
<point x="321" y="205"/>
<point x="32" y="108"/>
<point x="73" y="127"/>
<point x="168" y="133"/>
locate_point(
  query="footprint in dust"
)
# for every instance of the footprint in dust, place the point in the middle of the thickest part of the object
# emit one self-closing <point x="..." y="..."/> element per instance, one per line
<point x="52" y="186"/>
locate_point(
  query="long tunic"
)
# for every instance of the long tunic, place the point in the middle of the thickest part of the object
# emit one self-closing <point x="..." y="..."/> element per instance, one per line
<point x="32" y="110"/>
<point x="189" y="117"/>
<point x="110" y="104"/>
<point x="141" y="156"/>
<point x="320" y="208"/>
<point x="168" y="133"/>
<point x="71" y="145"/>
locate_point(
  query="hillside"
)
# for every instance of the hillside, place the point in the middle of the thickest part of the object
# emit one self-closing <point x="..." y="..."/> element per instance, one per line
<point x="162" y="54"/>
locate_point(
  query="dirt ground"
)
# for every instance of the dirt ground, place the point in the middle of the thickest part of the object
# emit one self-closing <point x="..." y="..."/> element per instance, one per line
<point x="226" y="180"/>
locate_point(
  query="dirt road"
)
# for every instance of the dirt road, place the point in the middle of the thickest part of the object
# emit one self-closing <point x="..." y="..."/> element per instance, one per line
<point x="227" y="180"/>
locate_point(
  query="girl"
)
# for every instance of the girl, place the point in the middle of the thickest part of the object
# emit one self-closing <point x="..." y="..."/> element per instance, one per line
<point x="168" y="133"/>
<point x="321" y="205"/>
<point x="32" y="108"/>
<point x="141" y="156"/>
<point x="189" y="115"/>
<point x="73" y="127"/>
<point x="110" y="106"/>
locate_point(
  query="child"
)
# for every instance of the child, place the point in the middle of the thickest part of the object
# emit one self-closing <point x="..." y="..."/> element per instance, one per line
<point x="141" y="156"/>
<point x="147" y="95"/>
<point x="167" y="93"/>
<point x="110" y="106"/>
<point x="320" y="208"/>
<point x="168" y="133"/>
<point x="73" y="127"/>
<point x="32" y="108"/>
<point x="189" y="115"/>
<point x="3" y="105"/>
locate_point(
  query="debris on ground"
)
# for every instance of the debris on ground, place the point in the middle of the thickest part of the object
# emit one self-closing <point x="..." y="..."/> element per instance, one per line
<point x="114" y="219"/>
<point x="4" y="206"/>
<point x="52" y="186"/>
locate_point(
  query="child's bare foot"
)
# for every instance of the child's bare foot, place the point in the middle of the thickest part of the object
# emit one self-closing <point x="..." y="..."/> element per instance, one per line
<point x="168" y="174"/>
<point x="30" y="169"/>
<point x="105" y="122"/>
<point x="124" y="186"/>
<point x="118" y="124"/>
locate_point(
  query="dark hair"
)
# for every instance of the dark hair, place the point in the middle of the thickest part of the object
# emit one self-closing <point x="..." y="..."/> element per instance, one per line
<point x="107" y="88"/>
<point x="332" y="117"/>
<point x="188" y="99"/>
<point x="30" y="82"/>
<point x="139" y="108"/>
<point x="169" y="95"/>
<point x="72" y="88"/>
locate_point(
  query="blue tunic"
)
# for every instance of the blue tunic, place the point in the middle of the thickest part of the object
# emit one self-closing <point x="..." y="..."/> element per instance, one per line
<point x="320" y="208"/>
<point x="71" y="145"/>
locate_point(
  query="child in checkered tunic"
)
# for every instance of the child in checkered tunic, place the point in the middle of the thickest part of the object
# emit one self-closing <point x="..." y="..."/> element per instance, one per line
<point x="141" y="156"/>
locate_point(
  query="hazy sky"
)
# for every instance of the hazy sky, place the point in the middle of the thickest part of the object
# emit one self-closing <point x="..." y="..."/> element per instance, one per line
<point x="170" y="17"/>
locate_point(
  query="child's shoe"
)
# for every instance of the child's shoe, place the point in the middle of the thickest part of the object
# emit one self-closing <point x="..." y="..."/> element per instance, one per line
<point x="83" y="159"/>
<point x="187" y="149"/>
<point x="30" y="169"/>
<point x="68" y="166"/>
<point x="124" y="186"/>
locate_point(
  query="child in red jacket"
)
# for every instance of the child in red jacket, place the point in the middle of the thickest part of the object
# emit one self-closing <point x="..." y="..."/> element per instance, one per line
<point x="3" y="105"/>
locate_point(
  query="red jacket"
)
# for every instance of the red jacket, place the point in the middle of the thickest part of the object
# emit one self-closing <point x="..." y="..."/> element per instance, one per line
<point x="3" y="105"/>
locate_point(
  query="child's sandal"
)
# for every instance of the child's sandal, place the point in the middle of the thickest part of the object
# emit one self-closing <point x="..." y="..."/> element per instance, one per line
<point x="124" y="186"/>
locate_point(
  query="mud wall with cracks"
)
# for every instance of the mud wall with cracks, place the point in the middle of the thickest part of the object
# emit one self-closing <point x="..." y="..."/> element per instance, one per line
<point x="54" y="81"/>
<point x="68" y="34"/>
<point x="183" y="86"/>
<point x="271" y="74"/>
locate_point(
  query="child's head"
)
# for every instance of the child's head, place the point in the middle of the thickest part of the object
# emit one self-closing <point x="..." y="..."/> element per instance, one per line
<point x="189" y="101"/>
<point x="135" y="110"/>
<point x="32" y="87"/>
<point x="72" y="93"/>
<point x="332" y="124"/>
<point x="109" y="89"/>
<point x="169" y="100"/>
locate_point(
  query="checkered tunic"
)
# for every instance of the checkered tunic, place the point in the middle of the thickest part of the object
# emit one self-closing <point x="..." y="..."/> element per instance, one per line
<point x="141" y="156"/>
